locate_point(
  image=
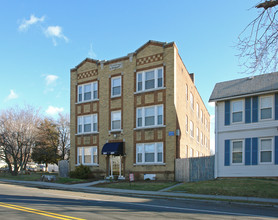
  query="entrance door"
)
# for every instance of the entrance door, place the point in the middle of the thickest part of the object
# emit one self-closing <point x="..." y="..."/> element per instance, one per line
<point x="115" y="166"/>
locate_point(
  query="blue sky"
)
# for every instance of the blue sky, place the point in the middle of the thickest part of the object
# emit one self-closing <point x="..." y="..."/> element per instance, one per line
<point x="42" y="40"/>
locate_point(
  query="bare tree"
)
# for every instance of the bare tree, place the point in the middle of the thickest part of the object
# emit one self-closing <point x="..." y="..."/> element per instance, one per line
<point x="18" y="129"/>
<point x="258" y="42"/>
<point x="63" y="127"/>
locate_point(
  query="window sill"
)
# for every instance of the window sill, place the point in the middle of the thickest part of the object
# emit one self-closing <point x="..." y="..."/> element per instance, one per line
<point x="88" y="164"/>
<point x="149" y="90"/>
<point x="149" y="164"/>
<point x="87" y="133"/>
<point x="115" y="131"/>
<point x="94" y="100"/>
<point x="150" y="127"/>
<point x="116" y="96"/>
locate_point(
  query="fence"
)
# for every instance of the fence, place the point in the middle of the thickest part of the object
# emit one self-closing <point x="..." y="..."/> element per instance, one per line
<point x="194" y="169"/>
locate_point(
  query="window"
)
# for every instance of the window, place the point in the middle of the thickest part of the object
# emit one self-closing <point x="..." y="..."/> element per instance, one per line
<point x="197" y="134"/>
<point x="191" y="129"/>
<point x="197" y="153"/>
<point x="237" y="110"/>
<point x="202" y="116"/>
<point x="149" y="116"/>
<point x="87" y="92"/>
<point x="202" y="139"/>
<point x="186" y="123"/>
<point x="191" y="153"/>
<point x="87" y="124"/>
<point x="197" y="110"/>
<point x="116" y="120"/>
<point x="191" y="101"/>
<point x="87" y="155"/>
<point x="266" y="150"/>
<point x="150" y="79"/>
<point x="206" y="123"/>
<point x="237" y="150"/>
<point x="149" y="153"/>
<point x="116" y="86"/>
<point x="266" y="107"/>
<point x="186" y="92"/>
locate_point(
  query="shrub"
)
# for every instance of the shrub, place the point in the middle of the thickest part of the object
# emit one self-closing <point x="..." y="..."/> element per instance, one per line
<point x="81" y="172"/>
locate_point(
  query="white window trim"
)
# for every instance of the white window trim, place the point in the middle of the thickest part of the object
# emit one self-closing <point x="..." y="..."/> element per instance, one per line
<point x="92" y="124"/>
<point x="155" y="154"/>
<point x="191" y="122"/>
<point x="155" y="117"/>
<point x="112" y="78"/>
<point x="155" y="80"/>
<point x="191" y="102"/>
<point x="272" y="151"/>
<point x="118" y="129"/>
<point x="272" y="107"/>
<point x="186" y="124"/>
<point x="243" y="152"/>
<point x="197" y="110"/>
<point x="197" y="135"/>
<point x="93" y="148"/>
<point x="243" y="112"/>
<point x="92" y="92"/>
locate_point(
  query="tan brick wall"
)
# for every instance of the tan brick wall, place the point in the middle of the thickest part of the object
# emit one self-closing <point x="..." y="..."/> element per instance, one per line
<point x="90" y="71"/>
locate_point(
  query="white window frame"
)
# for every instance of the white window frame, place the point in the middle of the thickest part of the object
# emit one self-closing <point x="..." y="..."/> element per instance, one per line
<point x="116" y="112"/>
<point x="143" y="73"/>
<point x="156" y="152"/>
<point x="80" y="121"/>
<point x="112" y="79"/>
<point x="191" y="152"/>
<point x="93" y="150"/>
<point x="186" y="92"/>
<point x="191" y="101"/>
<point x="202" y="116"/>
<point x="94" y="87"/>
<point x="156" y="109"/>
<point x="186" y="123"/>
<point x="197" y="135"/>
<point x="243" y="154"/>
<point x="272" y="150"/>
<point x="202" y="138"/>
<point x="272" y="107"/>
<point x="242" y="111"/>
<point x="191" y="129"/>
<point x="197" y="109"/>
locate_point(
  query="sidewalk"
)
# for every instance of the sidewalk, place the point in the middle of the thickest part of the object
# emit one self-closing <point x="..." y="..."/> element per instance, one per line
<point x="88" y="187"/>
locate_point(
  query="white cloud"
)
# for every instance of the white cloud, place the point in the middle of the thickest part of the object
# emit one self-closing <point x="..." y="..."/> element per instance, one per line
<point x="25" y="24"/>
<point x="51" y="79"/>
<point x="91" y="52"/>
<point x="11" y="96"/>
<point x="51" y="110"/>
<point x="55" y="32"/>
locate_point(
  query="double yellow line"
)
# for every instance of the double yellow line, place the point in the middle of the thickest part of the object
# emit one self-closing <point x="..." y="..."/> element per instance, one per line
<point x="38" y="212"/>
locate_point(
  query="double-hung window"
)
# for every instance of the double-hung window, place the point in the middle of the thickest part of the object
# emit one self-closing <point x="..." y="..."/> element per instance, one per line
<point x="266" y="150"/>
<point x="202" y="115"/>
<point x="191" y="101"/>
<point x="87" y="124"/>
<point x="149" y="116"/>
<point x="116" y="86"/>
<point x="186" y="123"/>
<point x="237" y="111"/>
<point x="149" y="153"/>
<point x="202" y="139"/>
<point x="87" y="92"/>
<point x="197" y="110"/>
<point x="197" y="134"/>
<point x="149" y="79"/>
<point x="191" y="129"/>
<point x="266" y="107"/>
<point x="237" y="152"/>
<point x="116" y="120"/>
<point x="87" y="155"/>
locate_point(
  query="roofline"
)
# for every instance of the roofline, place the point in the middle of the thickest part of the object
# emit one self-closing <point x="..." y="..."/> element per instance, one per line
<point x="150" y="42"/>
<point x="243" y="95"/>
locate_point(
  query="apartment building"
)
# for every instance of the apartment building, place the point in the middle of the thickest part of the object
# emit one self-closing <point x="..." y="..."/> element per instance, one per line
<point x="136" y="114"/>
<point x="246" y="127"/>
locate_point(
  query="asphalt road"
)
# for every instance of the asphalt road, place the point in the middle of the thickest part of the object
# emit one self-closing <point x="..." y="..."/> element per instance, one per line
<point x="20" y="202"/>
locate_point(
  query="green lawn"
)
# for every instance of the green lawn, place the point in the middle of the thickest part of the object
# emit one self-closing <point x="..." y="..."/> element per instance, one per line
<point x="141" y="185"/>
<point x="36" y="176"/>
<point x="251" y="187"/>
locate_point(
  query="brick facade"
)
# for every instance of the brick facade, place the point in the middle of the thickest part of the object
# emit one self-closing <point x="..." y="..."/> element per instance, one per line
<point x="171" y="95"/>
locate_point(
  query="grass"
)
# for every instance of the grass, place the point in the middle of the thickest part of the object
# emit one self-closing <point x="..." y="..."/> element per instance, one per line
<point x="36" y="176"/>
<point x="250" y="187"/>
<point x="141" y="185"/>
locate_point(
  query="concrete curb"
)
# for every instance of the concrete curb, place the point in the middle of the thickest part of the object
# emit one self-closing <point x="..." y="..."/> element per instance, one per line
<point x="161" y="194"/>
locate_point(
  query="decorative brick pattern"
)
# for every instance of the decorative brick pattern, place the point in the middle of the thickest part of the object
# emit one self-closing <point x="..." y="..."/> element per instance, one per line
<point x="149" y="59"/>
<point x="87" y="74"/>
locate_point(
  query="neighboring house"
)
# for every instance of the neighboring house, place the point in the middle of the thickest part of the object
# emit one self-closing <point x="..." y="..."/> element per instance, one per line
<point x="136" y="114"/>
<point x="246" y="127"/>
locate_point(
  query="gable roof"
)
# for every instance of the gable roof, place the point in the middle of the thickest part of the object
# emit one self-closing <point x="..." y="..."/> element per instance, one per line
<point x="244" y="87"/>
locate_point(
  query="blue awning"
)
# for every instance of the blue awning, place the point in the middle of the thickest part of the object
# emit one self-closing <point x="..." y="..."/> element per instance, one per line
<point x="115" y="148"/>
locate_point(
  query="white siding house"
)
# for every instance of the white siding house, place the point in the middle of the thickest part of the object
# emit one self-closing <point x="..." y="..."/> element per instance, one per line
<point x="246" y="127"/>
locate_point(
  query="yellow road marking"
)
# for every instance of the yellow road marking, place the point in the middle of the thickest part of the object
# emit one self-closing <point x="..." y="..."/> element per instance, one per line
<point x="38" y="212"/>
